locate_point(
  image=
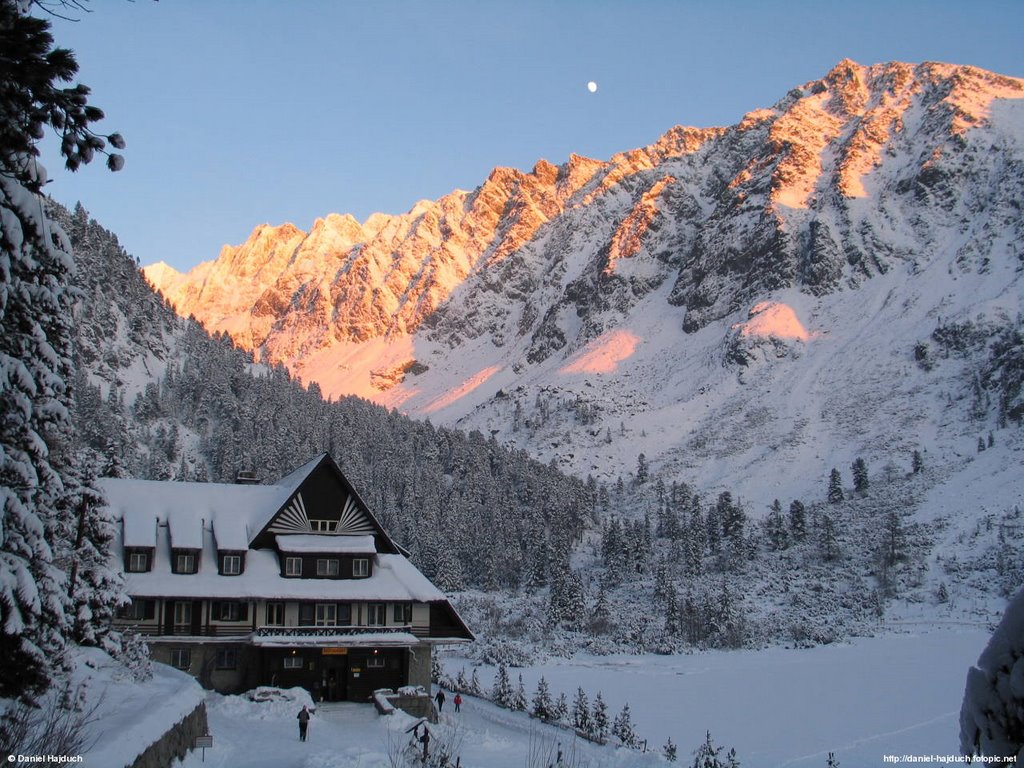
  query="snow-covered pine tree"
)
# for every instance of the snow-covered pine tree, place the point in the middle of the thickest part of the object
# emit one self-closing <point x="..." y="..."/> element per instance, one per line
<point x="436" y="670"/>
<point x="860" y="475"/>
<point x="797" y="520"/>
<point x="622" y="728"/>
<point x="474" y="686"/>
<point x="672" y="620"/>
<point x="35" y="343"/>
<point x="95" y="589"/>
<point x="542" y="704"/>
<point x="916" y="462"/>
<point x="599" y="719"/>
<point x="670" y="751"/>
<point x="560" y="710"/>
<point x="775" y="528"/>
<point x="518" y="701"/>
<point x="708" y="755"/>
<point x="581" y="712"/>
<point x="835" y="487"/>
<point x="643" y="473"/>
<point x="461" y="683"/>
<point x="828" y="543"/>
<point x="501" y="691"/>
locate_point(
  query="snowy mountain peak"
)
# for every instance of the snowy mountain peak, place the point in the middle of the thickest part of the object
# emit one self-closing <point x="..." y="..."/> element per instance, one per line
<point x="759" y="274"/>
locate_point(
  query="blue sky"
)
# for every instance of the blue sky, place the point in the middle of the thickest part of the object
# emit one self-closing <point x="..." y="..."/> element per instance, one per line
<point x="241" y="113"/>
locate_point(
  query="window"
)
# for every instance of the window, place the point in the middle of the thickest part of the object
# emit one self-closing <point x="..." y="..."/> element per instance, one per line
<point x="325" y="567"/>
<point x="227" y="658"/>
<point x="137" y="610"/>
<point x="360" y="567"/>
<point x="307" y="612"/>
<point x="403" y="613"/>
<point x="275" y="614"/>
<point x="376" y="615"/>
<point x="225" y="611"/>
<point x="182" y="613"/>
<point x="375" y="662"/>
<point x="185" y="563"/>
<point x="322" y="526"/>
<point x="293" y="662"/>
<point x="181" y="658"/>
<point x="232" y="565"/>
<point x="138" y="562"/>
<point x="326" y="615"/>
<point x="344" y="614"/>
<point x="293" y="566"/>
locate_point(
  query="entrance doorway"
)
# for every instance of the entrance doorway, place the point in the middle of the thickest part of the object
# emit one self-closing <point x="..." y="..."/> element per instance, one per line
<point x="334" y="677"/>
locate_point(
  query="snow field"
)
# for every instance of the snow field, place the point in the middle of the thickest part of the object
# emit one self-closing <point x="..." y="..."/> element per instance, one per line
<point x="897" y="694"/>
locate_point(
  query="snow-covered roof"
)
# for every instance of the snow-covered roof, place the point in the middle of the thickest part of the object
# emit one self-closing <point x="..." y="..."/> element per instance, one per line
<point x="326" y="543"/>
<point x="186" y="527"/>
<point x="140" y="529"/>
<point x="234" y="510"/>
<point x="393" y="578"/>
<point x="230" y="531"/>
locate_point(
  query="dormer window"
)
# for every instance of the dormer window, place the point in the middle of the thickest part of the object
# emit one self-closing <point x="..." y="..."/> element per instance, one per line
<point x="293" y="566"/>
<point x="360" y="568"/>
<point x="230" y="565"/>
<point x="185" y="562"/>
<point x="322" y="526"/>
<point x="138" y="562"/>
<point x="327" y="567"/>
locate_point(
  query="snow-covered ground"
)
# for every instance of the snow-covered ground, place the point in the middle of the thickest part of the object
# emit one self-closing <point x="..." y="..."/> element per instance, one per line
<point x="897" y="694"/>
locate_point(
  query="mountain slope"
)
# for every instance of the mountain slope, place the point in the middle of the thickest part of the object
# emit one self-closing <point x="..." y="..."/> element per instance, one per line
<point x="818" y="282"/>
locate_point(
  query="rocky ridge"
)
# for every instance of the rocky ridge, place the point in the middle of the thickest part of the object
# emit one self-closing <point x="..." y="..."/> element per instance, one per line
<point x="872" y="206"/>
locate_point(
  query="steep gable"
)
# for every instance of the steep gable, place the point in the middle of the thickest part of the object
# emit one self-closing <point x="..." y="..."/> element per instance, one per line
<point x="324" y="502"/>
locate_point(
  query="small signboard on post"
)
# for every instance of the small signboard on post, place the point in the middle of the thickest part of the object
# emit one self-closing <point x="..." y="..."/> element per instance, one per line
<point x="204" y="742"/>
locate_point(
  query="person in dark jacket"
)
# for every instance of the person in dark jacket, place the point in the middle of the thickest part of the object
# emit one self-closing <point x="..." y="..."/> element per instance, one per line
<point x="303" y="722"/>
<point x="440" y="701"/>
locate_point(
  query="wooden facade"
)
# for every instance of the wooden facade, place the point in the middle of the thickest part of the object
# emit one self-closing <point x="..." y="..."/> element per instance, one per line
<point x="294" y="583"/>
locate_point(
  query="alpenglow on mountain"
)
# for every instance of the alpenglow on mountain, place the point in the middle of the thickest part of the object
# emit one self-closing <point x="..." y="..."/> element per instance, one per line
<point x="836" y="275"/>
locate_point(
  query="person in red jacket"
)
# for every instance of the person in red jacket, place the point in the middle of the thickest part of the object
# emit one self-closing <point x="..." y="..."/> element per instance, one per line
<point x="458" y="701"/>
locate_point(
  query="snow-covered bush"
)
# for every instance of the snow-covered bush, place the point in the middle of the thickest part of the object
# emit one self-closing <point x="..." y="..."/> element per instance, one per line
<point x="502" y="652"/>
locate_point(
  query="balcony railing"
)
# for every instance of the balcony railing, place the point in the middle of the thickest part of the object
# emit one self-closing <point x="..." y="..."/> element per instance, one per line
<point x="328" y="631"/>
<point x="245" y="630"/>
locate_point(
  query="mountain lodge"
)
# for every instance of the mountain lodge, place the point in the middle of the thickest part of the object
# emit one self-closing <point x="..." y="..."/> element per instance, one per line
<point x="290" y="584"/>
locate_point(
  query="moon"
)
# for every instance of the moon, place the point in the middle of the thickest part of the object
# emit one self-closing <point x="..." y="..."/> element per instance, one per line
<point x="592" y="86"/>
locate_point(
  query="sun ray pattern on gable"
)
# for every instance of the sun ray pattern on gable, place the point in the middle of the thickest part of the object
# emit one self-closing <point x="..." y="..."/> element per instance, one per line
<point x="293" y="519"/>
<point x="352" y="521"/>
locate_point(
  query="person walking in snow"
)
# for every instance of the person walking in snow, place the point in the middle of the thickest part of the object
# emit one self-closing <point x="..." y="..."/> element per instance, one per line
<point x="303" y="722"/>
<point x="440" y="701"/>
<point x="458" y="701"/>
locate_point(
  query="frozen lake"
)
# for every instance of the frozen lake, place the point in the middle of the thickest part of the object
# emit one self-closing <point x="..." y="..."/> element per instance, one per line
<point x="898" y="694"/>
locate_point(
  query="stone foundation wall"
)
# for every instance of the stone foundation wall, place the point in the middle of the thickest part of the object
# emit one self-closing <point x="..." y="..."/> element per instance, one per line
<point x="176" y="743"/>
<point x="204" y="664"/>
